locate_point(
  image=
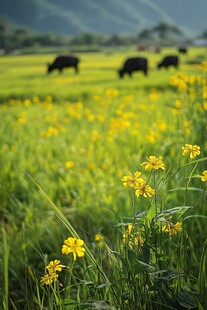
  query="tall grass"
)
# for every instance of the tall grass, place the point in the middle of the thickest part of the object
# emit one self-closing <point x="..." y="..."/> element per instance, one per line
<point x="76" y="136"/>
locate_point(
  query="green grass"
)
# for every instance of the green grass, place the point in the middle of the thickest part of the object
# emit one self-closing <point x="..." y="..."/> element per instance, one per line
<point x="77" y="135"/>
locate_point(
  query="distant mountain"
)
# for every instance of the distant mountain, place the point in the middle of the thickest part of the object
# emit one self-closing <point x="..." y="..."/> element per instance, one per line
<point x="105" y="16"/>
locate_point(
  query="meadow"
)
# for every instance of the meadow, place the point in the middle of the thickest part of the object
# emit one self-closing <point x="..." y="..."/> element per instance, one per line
<point x="113" y="172"/>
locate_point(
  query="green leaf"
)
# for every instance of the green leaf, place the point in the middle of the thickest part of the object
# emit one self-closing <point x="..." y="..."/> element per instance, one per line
<point x="166" y="275"/>
<point x="151" y="212"/>
<point x="196" y="189"/>
<point x="195" y="216"/>
<point x="70" y="304"/>
<point x="169" y="212"/>
<point x="146" y="254"/>
<point x="103" y="285"/>
<point x="202" y="269"/>
<point x="145" y="267"/>
<point x="186" y="300"/>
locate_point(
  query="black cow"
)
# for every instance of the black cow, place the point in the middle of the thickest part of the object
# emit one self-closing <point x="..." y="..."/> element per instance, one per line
<point x="168" y="61"/>
<point x="62" y="62"/>
<point x="182" y="50"/>
<point x="134" y="64"/>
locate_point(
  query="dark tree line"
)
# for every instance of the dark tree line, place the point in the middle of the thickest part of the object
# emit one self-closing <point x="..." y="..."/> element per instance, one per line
<point x="18" y="38"/>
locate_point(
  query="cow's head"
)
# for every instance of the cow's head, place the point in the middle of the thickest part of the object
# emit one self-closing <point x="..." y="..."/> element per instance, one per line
<point x="49" y="68"/>
<point x="121" y="73"/>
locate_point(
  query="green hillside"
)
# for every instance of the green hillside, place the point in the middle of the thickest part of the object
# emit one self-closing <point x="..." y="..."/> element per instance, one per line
<point x="109" y="16"/>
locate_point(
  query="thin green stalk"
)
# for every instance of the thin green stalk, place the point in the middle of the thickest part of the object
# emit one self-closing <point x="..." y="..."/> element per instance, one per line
<point x="202" y="273"/>
<point x="6" y="271"/>
<point x="40" y="302"/>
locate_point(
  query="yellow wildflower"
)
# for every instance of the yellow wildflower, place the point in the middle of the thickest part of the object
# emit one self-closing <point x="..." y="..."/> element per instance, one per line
<point x="192" y="150"/>
<point x="69" y="164"/>
<point x="47" y="279"/>
<point x="133" y="236"/>
<point x="74" y="246"/>
<point x="161" y="125"/>
<point x="143" y="189"/>
<point x="99" y="238"/>
<point x="131" y="180"/>
<point x="138" y="240"/>
<point x="90" y="165"/>
<point x="54" y="266"/>
<point x="128" y="231"/>
<point x="154" y="163"/>
<point x="204" y="176"/>
<point x="171" y="228"/>
<point x="153" y="95"/>
<point x="152" y="136"/>
<point x="27" y="102"/>
<point x="178" y="104"/>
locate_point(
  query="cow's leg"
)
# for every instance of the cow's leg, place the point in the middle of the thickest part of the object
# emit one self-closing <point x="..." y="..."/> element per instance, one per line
<point x="76" y="69"/>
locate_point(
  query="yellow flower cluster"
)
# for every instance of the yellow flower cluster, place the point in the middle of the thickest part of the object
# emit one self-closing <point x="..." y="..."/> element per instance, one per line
<point x="152" y="136"/>
<point x="112" y="92"/>
<point x="23" y="118"/>
<point x="72" y="246"/>
<point x="52" y="131"/>
<point x="133" y="237"/>
<point x="52" y="268"/>
<point x="138" y="184"/>
<point x="117" y="125"/>
<point x="203" y="66"/>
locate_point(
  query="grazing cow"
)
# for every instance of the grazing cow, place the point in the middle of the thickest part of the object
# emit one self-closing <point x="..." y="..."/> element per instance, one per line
<point x="62" y="62"/>
<point x="154" y="49"/>
<point x="182" y="50"/>
<point x="168" y="61"/>
<point x="142" y="47"/>
<point x="134" y="64"/>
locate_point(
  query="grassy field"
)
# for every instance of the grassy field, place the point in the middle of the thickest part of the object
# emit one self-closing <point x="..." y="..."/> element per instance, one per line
<point x="67" y="142"/>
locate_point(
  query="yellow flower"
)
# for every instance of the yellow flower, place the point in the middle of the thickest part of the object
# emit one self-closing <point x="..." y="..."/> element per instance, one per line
<point x="99" y="237"/>
<point x="161" y="125"/>
<point x="154" y="163"/>
<point x="69" y="164"/>
<point x="47" y="279"/>
<point x="143" y="189"/>
<point x="138" y="240"/>
<point x="178" y="104"/>
<point x="90" y="165"/>
<point x="204" y="176"/>
<point x="152" y="136"/>
<point x="153" y="95"/>
<point x="74" y="246"/>
<point x="128" y="231"/>
<point x="131" y="180"/>
<point x="54" y="266"/>
<point x="27" y="102"/>
<point x="192" y="150"/>
<point x="171" y="228"/>
<point x="133" y="236"/>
